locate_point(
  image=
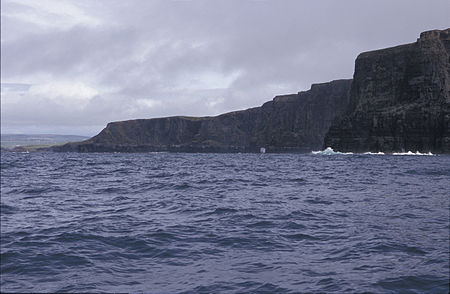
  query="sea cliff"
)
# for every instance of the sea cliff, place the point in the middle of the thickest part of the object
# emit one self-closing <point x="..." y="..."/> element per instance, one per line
<point x="399" y="100"/>
<point x="296" y="122"/>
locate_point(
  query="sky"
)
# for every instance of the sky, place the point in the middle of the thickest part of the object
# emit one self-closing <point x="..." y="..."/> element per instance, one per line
<point x="70" y="67"/>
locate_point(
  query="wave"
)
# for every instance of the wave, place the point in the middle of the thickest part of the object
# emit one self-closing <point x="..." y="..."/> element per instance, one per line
<point x="412" y="153"/>
<point x="330" y="151"/>
<point x="179" y="214"/>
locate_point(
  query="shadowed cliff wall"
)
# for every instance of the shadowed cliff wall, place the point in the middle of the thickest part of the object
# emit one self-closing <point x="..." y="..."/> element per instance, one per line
<point x="400" y="99"/>
<point x="296" y="122"/>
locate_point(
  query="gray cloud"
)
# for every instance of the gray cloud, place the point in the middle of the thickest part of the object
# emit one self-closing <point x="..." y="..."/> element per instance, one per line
<point x="90" y="62"/>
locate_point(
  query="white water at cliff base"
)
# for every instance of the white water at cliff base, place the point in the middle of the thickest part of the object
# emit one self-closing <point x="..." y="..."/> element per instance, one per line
<point x="330" y="151"/>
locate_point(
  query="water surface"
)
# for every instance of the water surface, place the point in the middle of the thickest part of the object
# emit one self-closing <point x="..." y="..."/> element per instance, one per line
<point x="224" y="223"/>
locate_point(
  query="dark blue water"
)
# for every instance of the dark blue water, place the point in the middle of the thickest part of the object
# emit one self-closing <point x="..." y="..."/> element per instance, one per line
<point x="224" y="223"/>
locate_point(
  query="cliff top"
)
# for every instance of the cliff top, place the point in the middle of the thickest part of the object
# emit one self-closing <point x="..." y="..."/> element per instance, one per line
<point x="426" y="36"/>
<point x="434" y="34"/>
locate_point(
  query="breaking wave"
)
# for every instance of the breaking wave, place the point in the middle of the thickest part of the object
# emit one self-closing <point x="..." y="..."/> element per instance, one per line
<point x="330" y="151"/>
<point x="412" y="153"/>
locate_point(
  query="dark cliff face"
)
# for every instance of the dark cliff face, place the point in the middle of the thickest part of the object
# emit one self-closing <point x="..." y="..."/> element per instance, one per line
<point x="400" y="99"/>
<point x="296" y="122"/>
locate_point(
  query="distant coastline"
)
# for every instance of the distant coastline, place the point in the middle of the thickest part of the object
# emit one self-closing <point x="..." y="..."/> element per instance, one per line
<point x="33" y="142"/>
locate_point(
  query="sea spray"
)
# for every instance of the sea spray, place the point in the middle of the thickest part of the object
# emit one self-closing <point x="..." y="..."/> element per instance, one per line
<point x="412" y="153"/>
<point x="330" y="151"/>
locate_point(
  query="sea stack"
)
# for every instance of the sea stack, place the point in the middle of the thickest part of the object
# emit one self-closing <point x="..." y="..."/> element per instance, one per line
<point x="399" y="99"/>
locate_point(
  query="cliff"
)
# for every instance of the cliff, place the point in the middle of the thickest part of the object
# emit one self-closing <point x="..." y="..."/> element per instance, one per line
<point x="296" y="122"/>
<point x="399" y="99"/>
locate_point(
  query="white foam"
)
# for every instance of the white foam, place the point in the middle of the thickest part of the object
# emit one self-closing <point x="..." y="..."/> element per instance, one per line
<point x="373" y="153"/>
<point x="412" y="153"/>
<point x="330" y="151"/>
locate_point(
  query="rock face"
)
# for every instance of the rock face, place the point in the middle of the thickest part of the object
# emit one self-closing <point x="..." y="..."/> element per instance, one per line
<point x="296" y="122"/>
<point x="400" y="99"/>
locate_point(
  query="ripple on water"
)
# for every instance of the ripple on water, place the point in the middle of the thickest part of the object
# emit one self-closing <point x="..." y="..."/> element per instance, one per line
<point x="414" y="284"/>
<point x="224" y="223"/>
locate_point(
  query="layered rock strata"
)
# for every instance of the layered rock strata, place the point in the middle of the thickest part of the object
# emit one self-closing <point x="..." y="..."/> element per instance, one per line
<point x="296" y="122"/>
<point x="400" y="99"/>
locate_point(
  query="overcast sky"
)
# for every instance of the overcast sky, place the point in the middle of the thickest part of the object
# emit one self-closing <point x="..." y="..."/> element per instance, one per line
<point x="70" y="67"/>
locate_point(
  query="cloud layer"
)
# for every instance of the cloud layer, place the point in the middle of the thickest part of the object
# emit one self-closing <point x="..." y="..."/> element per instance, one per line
<point x="73" y="66"/>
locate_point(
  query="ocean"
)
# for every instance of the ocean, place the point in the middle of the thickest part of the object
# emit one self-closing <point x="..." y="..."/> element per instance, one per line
<point x="224" y="223"/>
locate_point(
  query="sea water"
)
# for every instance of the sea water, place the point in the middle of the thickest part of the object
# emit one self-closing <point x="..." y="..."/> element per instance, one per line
<point x="224" y="223"/>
